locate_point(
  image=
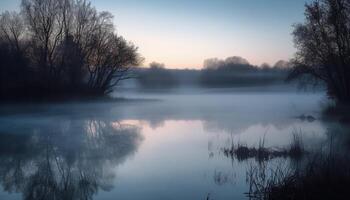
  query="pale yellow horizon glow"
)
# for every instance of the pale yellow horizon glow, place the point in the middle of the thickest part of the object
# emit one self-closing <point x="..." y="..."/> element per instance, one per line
<point x="190" y="53"/>
<point x="183" y="33"/>
<point x="184" y="39"/>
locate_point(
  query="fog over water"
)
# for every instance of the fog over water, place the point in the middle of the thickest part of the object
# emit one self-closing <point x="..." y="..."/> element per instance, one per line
<point x="149" y="144"/>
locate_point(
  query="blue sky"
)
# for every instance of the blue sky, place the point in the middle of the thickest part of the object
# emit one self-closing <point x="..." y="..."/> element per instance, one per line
<point x="182" y="33"/>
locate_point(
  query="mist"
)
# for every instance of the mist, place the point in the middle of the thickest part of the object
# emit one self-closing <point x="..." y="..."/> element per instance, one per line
<point x="233" y="72"/>
<point x="89" y="111"/>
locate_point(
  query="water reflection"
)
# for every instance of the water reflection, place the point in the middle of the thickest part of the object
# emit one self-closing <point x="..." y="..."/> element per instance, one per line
<point x="70" y="151"/>
<point x="70" y="159"/>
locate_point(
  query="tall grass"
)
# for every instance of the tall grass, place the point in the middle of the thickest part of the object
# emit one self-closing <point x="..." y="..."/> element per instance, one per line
<point x="322" y="176"/>
<point x="261" y="153"/>
<point x="296" y="149"/>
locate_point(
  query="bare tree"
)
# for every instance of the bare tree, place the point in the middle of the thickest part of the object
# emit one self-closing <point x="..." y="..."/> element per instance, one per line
<point x="112" y="63"/>
<point x="323" y="43"/>
<point x="45" y="26"/>
<point x="12" y="29"/>
<point x="72" y="46"/>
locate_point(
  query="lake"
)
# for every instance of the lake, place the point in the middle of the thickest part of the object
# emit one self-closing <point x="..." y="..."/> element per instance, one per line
<point x="149" y="144"/>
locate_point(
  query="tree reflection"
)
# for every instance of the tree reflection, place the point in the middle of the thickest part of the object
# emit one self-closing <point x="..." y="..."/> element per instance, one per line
<point x="65" y="160"/>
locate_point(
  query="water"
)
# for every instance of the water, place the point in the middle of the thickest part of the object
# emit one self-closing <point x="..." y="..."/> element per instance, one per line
<point x="151" y="145"/>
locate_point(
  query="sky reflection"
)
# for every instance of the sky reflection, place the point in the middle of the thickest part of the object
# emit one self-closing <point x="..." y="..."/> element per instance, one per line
<point x="154" y="149"/>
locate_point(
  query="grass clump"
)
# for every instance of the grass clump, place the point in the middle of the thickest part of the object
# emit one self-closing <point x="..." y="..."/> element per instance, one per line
<point x="322" y="177"/>
<point x="261" y="153"/>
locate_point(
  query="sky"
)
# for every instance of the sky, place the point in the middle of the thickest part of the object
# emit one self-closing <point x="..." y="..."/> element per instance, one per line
<point x="183" y="33"/>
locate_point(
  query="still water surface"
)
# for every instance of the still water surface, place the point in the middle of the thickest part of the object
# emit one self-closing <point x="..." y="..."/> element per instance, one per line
<point x="148" y="145"/>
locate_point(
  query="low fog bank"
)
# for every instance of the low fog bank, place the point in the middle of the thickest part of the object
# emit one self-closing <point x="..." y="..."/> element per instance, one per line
<point x="233" y="72"/>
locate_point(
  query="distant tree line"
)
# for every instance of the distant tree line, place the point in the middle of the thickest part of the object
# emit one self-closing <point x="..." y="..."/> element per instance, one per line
<point x="61" y="47"/>
<point x="323" y="44"/>
<point x="231" y="72"/>
<point x="156" y="76"/>
<point x="237" y="71"/>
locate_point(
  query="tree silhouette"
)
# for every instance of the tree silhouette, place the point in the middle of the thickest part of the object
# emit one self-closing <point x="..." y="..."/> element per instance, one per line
<point x="323" y="43"/>
<point x="62" y="46"/>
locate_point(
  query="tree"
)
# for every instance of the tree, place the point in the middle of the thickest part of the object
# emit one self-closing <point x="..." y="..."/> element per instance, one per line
<point x="12" y="29"/>
<point x="157" y="76"/>
<point x="14" y="70"/>
<point x="282" y="64"/>
<point x="68" y="46"/>
<point x="156" y="65"/>
<point x="45" y="25"/>
<point x="323" y="44"/>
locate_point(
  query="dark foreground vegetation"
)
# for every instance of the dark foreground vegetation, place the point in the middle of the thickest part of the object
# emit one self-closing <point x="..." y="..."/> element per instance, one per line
<point x="294" y="173"/>
<point x="323" y="43"/>
<point x="336" y="112"/>
<point x="320" y="177"/>
<point x="61" y="47"/>
<point x="323" y="56"/>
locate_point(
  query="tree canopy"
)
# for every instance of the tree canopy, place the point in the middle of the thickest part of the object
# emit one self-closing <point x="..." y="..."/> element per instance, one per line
<point x="60" y="46"/>
<point x="323" y="44"/>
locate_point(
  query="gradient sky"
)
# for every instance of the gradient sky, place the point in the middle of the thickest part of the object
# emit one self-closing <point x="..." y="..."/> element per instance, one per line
<point x="182" y="33"/>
